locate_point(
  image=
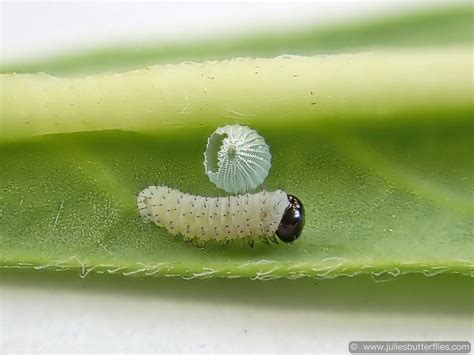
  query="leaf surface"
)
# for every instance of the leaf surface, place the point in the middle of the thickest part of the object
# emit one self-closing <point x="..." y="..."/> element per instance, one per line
<point x="377" y="146"/>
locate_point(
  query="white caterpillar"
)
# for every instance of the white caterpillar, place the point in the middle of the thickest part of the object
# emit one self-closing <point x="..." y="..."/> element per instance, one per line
<point x="264" y="214"/>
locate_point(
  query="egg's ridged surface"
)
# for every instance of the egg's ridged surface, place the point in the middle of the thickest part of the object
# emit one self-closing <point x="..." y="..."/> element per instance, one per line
<point x="237" y="158"/>
<point x="213" y="218"/>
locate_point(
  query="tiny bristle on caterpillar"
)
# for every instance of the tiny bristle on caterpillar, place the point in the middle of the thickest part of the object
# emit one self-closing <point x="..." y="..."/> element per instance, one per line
<point x="264" y="214"/>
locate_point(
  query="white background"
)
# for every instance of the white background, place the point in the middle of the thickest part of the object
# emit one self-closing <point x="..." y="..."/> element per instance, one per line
<point x="64" y="313"/>
<point x="107" y="314"/>
<point x="38" y="29"/>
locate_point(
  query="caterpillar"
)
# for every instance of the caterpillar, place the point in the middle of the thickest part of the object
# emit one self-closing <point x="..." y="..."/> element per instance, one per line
<point x="265" y="215"/>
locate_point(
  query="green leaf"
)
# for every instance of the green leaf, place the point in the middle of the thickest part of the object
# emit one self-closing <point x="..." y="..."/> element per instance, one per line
<point x="424" y="28"/>
<point x="377" y="146"/>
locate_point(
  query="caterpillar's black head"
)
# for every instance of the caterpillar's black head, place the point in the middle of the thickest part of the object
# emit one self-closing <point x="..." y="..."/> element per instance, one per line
<point x="292" y="222"/>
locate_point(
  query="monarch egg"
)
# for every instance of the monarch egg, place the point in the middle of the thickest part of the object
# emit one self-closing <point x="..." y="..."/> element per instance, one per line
<point x="264" y="214"/>
<point x="236" y="159"/>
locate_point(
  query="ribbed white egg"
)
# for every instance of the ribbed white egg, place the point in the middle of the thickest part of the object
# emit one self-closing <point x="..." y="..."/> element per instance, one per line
<point x="237" y="159"/>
